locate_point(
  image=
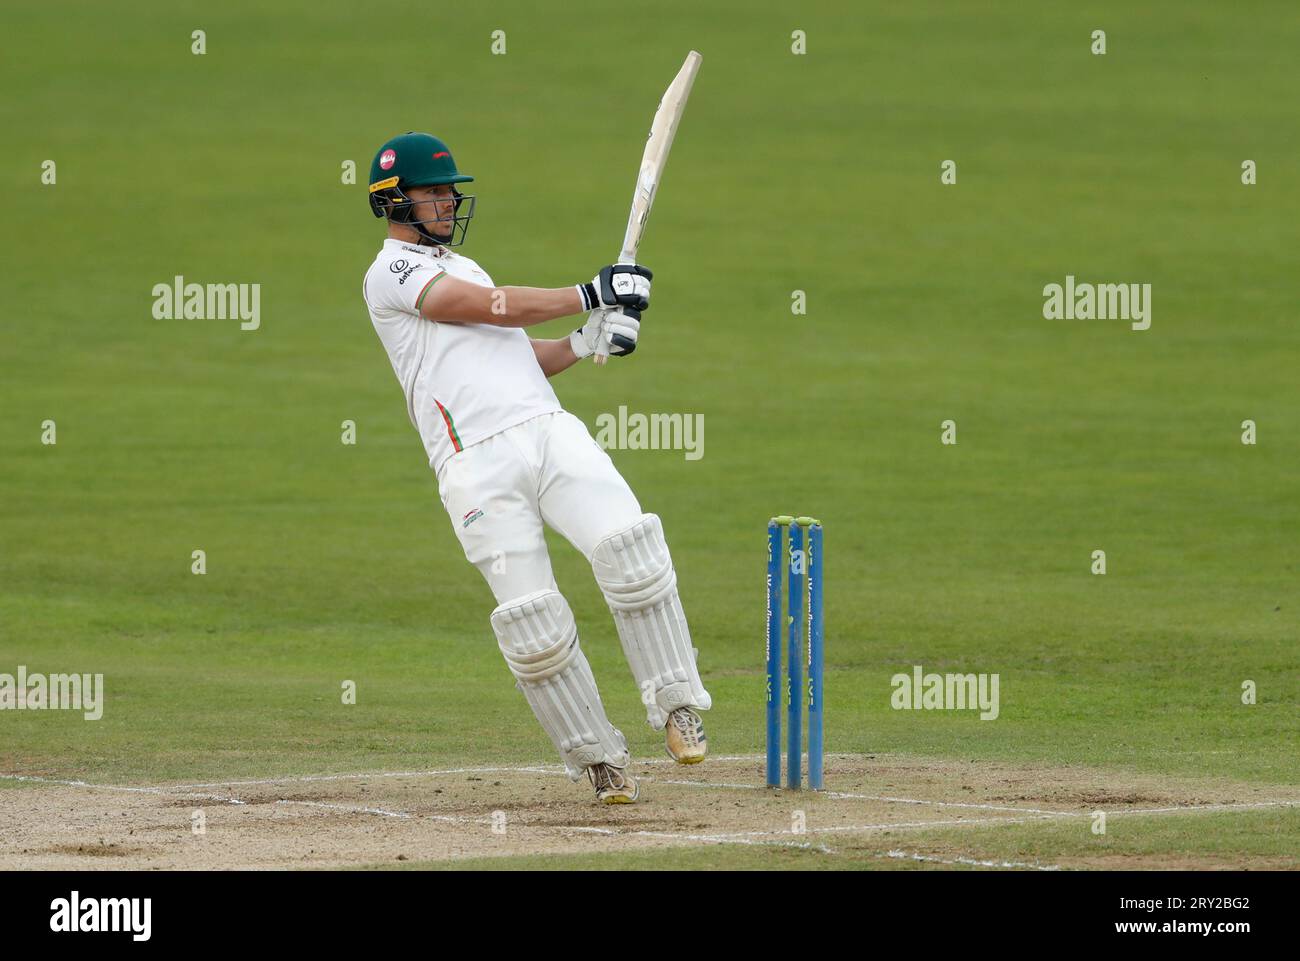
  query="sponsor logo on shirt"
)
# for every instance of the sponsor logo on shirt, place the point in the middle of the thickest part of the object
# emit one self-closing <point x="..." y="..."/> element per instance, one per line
<point x="470" y="517"/>
<point x="403" y="267"/>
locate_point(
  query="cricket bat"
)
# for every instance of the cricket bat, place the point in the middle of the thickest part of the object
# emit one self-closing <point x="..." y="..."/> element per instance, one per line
<point x="662" y="130"/>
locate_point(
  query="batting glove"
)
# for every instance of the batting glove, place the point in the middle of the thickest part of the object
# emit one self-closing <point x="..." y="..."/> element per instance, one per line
<point x="622" y="327"/>
<point x="618" y="285"/>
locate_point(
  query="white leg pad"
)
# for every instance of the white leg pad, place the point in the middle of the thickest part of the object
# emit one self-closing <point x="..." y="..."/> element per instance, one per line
<point x="539" y="639"/>
<point x="635" y="573"/>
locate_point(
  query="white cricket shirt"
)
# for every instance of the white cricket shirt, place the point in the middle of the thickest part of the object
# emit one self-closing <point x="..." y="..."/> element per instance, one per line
<point x="463" y="382"/>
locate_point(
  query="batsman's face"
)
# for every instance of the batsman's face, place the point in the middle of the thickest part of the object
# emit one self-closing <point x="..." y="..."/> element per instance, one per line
<point x="436" y="203"/>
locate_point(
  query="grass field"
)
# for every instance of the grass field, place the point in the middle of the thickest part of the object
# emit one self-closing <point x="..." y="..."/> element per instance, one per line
<point x="817" y="172"/>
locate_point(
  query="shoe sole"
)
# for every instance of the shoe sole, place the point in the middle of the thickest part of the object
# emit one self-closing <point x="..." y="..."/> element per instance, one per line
<point x="692" y="759"/>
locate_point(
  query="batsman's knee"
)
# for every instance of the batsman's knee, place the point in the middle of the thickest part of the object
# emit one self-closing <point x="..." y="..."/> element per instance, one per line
<point x="635" y="572"/>
<point x="538" y="638"/>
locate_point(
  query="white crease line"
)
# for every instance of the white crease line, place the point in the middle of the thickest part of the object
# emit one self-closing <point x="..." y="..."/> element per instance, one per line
<point x="948" y="804"/>
<point x="674" y="836"/>
<point x="802" y="845"/>
<point x="1052" y="815"/>
<point x="403" y="815"/>
<point x="170" y="792"/>
<point x="1046" y="816"/>
<point x="710" y="784"/>
<point x="349" y="808"/>
<point x="162" y="791"/>
<point x="711" y="757"/>
<point x="904" y="855"/>
<point x="860" y="797"/>
<point x="854" y="828"/>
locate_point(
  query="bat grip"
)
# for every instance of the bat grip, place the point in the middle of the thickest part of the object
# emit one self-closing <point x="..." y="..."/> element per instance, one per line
<point x="601" y="356"/>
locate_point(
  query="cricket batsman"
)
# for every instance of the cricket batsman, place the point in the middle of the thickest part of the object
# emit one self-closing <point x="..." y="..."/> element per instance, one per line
<point x="509" y="459"/>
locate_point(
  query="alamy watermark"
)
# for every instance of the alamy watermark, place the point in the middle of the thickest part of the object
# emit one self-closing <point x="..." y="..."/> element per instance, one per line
<point x="54" y="692"/>
<point x="624" y="431"/>
<point x="75" y="914"/>
<point x="181" y="301"/>
<point x="919" y="691"/>
<point x="1074" y="301"/>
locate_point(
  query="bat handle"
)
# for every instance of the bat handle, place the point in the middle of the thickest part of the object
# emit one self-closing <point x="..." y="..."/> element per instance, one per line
<point x="601" y="356"/>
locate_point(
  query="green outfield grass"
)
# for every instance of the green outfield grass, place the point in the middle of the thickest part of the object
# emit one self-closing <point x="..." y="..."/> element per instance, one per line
<point x="817" y="173"/>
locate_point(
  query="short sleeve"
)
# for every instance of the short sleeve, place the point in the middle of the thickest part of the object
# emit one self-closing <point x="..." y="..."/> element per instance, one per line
<point x="400" y="284"/>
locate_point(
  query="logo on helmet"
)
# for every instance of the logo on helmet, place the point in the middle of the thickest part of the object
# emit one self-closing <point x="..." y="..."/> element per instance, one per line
<point x="387" y="159"/>
<point x="441" y="153"/>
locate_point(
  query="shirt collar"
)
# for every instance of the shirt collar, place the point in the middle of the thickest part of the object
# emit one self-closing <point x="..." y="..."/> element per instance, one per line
<point x="393" y="244"/>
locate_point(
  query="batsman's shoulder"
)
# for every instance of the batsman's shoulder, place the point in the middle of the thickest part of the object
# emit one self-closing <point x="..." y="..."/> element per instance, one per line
<point x="380" y="264"/>
<point x="399" y="278"/>
<point x="473" y="272"/>
<point x="374" y="281"/>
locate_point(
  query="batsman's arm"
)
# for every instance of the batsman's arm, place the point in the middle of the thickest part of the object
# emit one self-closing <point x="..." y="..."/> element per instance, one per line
<point x="554" y="356"/>
<point x="451" y="301"/>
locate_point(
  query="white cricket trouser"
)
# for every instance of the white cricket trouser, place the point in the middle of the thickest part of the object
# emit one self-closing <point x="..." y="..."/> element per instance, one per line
<point x="547" y="470"/>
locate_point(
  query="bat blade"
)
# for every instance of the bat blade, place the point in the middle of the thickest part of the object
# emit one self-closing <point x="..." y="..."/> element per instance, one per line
<point x="653" y="159"/>
<point x="655" y="156"/>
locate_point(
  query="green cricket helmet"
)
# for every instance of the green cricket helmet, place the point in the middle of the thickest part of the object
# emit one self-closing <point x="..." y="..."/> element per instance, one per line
<point x="418" y="160"/>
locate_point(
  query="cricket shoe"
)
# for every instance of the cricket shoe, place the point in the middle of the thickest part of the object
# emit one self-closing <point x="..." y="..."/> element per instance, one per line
<point x="613" y="784"/>
<point x="685" y="733"/>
